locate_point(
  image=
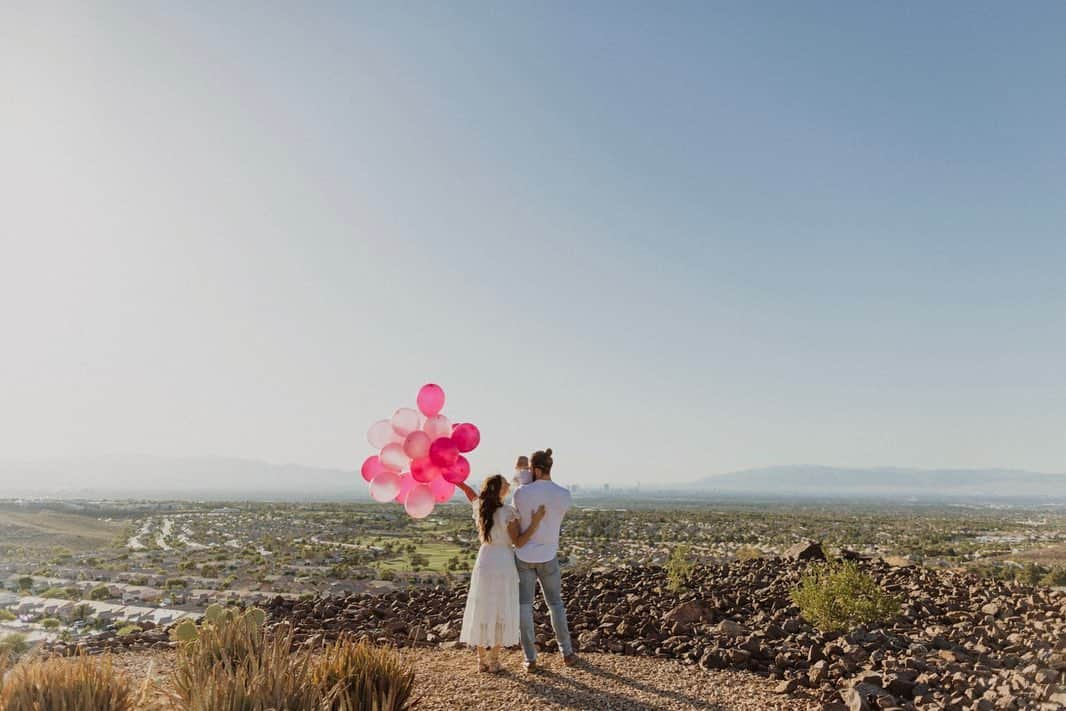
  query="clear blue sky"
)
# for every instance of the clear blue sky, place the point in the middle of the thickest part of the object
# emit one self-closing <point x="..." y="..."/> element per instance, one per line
<point x="665" y="239"/>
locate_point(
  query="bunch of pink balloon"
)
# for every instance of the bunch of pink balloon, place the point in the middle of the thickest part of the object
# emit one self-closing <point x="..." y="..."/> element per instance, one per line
<point x="421" y="455"/>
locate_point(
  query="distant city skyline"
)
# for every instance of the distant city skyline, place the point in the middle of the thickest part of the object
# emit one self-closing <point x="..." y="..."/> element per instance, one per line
<point x="666" y="241"/>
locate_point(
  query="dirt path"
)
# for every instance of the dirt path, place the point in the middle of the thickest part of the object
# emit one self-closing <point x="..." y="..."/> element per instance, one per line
<point x="447" y="680"/>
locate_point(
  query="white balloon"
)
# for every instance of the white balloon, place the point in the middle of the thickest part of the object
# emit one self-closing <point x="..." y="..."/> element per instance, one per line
<point x="393" y="457"/>
<point x="437" y="426"/>
<point x="385" y="486"/>
<point x="420" y="501"/>
<point x="405" y="421"/>
<point x="380" y="434"/>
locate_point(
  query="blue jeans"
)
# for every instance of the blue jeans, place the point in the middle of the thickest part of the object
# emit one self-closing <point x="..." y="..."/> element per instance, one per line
<point x="551" y="585"/>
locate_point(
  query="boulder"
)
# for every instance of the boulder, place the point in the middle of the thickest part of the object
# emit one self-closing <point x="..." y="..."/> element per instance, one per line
<point x="806" y="550"/>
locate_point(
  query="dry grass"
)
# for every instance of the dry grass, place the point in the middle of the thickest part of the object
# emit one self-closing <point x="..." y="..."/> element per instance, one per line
<point x="272" y="676"/>
<point x="236" y="665"/>
<point x="79" y="683"/>
<point x="362" y="676"/>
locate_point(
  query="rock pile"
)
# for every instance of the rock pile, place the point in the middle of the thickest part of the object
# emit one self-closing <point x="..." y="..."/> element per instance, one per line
<point x="959" y="642"/>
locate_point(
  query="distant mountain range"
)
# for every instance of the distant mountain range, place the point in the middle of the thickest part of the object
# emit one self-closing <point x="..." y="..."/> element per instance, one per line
<point x="887" y="482"/>
<point x="221" y="478"/>
<point x="144" y="476"/>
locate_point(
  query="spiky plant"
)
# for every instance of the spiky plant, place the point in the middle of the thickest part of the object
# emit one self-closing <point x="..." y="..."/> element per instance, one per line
<point x="236" y="667"/>
<point x="357" y="675"/>
<point x="79" y="683"/>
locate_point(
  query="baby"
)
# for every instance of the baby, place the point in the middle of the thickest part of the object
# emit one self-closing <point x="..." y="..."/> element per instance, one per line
<point x="522" y="474"/>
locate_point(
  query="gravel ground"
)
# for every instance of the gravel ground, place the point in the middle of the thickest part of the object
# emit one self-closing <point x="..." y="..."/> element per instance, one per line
<point x="448" y="680"/>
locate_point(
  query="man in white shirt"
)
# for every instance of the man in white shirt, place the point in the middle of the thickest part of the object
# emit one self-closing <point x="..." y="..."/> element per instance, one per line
<point x="537" y="559"/>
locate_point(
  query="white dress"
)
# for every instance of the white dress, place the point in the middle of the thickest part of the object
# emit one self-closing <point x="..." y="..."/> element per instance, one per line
<point x="491" y="616"/>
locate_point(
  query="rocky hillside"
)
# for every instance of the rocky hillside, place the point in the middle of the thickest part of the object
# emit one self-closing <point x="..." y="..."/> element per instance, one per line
<point x="958" y="643"/>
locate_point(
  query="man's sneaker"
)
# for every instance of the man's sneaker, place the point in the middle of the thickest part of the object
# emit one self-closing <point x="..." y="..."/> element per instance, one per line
<point x="530" y="667"/>
<point x="570" y="659"/>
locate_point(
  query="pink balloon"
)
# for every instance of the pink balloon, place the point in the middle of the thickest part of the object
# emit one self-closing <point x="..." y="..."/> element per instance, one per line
<point x="430" y="399"/>
<point x="420" y="469"/>
<point x="443" y="452"/>
<point x="458" y="472"/>
<point x="437" y="426"/>
<point x="405" y="421"/>
<point x="442" y="490"/>
<point x="372" y="467"/>
<point x="424" y="470"/>
<point x="417" y="444"/>
<point x="380" y="434"/>
<point x="385" y="486"/>
<point x="419" y="502"/>
<point x="407" y="482"/>
<point x="466" y="437"/>
<point x="393" y="458"/>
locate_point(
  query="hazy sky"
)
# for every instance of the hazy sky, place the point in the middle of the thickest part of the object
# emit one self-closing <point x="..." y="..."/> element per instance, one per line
<point x="665" y="239"/>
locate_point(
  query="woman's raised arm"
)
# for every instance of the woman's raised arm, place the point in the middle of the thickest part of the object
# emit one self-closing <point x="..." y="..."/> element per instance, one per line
<point x="470" y="493"/>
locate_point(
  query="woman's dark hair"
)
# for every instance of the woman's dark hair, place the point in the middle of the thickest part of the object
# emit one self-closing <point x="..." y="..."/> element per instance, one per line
<point x="542" y="460"/>
<point x="489" y="502"/>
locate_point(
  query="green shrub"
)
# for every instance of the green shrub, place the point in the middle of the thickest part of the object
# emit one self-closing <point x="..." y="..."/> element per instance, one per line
<point x="100" y="592"/>
<point x="6" y="615"/>
<point x="12" y="645"/>
<point x="841" y="596"/>
<point x="679" y="568"/>
<point x="50" y="623"/>
<point x="60" y="593"/>
<point x="80" y="683"/>
<point x="1056" y="577"/>
<point x="128" y="629"/>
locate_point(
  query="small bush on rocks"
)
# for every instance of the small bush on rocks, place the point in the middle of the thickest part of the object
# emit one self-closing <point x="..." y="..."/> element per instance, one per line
<point x="748" y="553"/>
<point x="679" y="568"/>
<point x="80" y="683"/>
<point x="841" y="596"/>
<point x="13" y="645"/>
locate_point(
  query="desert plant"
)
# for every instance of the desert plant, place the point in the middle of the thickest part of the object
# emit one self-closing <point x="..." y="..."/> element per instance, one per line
<point x="747" y="552"/>
<point x="6" y="615"/>
<point x="356" y="675"/>
<point x="679" y="568"/>
<point x="50" y="623"/>
<point x="184" y="631"/>
<point x="236" y="666"/>
<point x="1056" y="577"/>
<point x="128" y="630"/>
<point x="13" y="645"/>
<point x="229" y="639"/>
<point x="80" y="683"/>
<point x="841" y="596"/>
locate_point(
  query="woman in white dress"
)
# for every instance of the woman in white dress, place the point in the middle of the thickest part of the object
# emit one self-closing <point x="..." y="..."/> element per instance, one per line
<point x="491" y="617"/>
